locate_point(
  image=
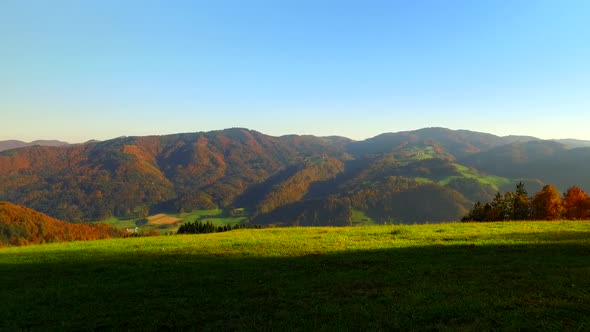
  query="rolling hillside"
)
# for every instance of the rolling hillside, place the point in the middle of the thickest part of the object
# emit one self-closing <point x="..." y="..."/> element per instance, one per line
<point x="304" y="180"/>
<point x="21" y="226"/>
<point x="455" y="277"/>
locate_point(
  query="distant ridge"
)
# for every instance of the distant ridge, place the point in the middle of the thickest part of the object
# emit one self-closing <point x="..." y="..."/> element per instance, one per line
<point x="15" y="144"/>
<point x="456" y="142"/>
<point x="568" y="142"/>
<point x="519" y="139"/>
<point x="573" y="143"/>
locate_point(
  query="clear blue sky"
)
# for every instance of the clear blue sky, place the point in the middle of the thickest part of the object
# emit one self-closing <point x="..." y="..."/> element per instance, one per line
<point x="79" y="70"/>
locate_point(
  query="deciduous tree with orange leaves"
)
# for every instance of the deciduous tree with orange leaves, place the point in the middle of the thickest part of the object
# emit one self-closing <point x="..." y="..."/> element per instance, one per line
<point x="546" y="204"/>
<point x="576" y="204"/>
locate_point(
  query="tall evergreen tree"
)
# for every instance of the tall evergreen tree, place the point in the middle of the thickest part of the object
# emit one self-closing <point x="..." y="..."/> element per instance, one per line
<point x="520" y="203"/>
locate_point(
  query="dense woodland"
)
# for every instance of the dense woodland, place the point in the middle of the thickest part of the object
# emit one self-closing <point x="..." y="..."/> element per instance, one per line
<point x="288" y="180"/>
<point x="23" y="226"/>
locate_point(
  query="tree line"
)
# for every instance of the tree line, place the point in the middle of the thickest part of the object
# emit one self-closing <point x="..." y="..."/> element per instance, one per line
<point x="547" y="204"/>
<point x="198" y="227"/>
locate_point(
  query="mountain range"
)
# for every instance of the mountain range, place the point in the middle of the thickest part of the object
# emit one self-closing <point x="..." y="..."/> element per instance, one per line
<point x="431" y="174"/>
<point x="15" y="144"/>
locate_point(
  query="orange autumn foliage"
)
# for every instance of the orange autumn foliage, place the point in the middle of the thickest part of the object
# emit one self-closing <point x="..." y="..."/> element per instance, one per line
<point x="22" y="226"/>
<point x="576" y="204"/>
<point x="546" y="204"/>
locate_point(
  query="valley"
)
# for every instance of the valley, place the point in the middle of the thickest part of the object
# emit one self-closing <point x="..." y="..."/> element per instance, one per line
<point x="406" y="264"/>
<point x="286" y="180"/>
<point x="165" y="223"/>
<point x="294" y="166"/>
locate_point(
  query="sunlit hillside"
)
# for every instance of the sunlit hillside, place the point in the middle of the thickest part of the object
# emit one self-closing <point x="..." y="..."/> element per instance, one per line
<point x="22" y="226"/>
<point x="484" y="276"/>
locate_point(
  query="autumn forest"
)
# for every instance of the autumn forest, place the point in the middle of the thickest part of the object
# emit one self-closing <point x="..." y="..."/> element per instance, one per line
<point x="427" y="175"/>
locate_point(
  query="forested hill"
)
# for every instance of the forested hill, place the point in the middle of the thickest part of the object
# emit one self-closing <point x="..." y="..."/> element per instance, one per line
<point x="432" y="174"/>
<point x="21" y="226"/>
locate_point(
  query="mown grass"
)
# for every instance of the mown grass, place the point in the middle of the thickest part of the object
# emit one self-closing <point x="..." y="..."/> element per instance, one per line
<point x="119" y="222"/>
<point x="417" y="153"/>
<point x="492" y="276"/>
<point x="495" y="181"/>
<point x="217" y="217"/>
<point x="358" y="217"/>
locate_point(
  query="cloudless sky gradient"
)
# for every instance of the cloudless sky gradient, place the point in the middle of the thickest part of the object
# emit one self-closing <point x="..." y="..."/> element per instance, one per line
<point x="80" y="70"/>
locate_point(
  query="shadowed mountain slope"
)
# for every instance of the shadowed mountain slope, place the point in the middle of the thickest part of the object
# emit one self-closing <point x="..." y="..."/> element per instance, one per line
<point x="547" y="160"/>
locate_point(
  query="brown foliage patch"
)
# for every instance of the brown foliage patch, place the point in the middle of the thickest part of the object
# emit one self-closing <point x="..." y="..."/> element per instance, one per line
<point x="162" y="219"/>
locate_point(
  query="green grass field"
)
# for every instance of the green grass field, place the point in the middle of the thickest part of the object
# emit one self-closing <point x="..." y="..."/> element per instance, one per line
<point x="217" y="217"/>
<point x="489" y="276"/>
<point x="495" y="181"/>
<point x="360" y="218"/>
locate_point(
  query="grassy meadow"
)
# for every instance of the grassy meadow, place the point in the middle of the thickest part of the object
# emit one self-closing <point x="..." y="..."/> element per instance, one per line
<point x="487" y="276"/>
<point x="217" y="217"/>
